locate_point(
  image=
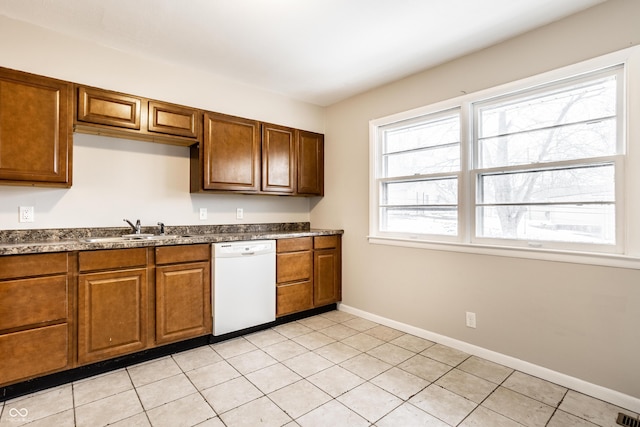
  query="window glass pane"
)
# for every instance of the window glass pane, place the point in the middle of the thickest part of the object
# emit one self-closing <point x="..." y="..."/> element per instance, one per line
<point x="585" y="101"/>
<point x="431" y="192"/>
<point x="578" y="141"/>
<point x="421" y="162"/>
<point x="560" y="223"/>
<point x="420" y="133"/>
<point x="431" y="220"/>
<point x="577" y="184"/>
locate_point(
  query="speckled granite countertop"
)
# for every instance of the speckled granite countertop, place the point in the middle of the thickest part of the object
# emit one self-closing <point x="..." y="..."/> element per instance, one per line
<point x="14" y="242"/>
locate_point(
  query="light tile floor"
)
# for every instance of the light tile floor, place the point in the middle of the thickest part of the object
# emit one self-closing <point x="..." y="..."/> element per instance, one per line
<point x="333" y="370"/>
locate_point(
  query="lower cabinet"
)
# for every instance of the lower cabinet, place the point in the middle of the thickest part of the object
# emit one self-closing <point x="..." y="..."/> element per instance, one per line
<point x="127" y="300"/>
<point x="327" y="270"/>
<point x="112" y="303"/>
<point x="183" y="292"/>
<point x="308" y="273"/>
<point x="35" y="316"/>
<point x="121" y="312"/>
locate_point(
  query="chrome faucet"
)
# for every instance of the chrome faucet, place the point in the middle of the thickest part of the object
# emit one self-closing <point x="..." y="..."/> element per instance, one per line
<point x="161" y="224"/>
<point x="135" y="228"/>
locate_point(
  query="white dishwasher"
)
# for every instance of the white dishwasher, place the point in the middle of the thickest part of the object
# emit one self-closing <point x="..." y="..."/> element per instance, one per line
<point x="244" y="285"/>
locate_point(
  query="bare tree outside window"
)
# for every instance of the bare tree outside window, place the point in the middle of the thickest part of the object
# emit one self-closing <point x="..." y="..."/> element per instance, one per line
<point x="421" y="158"/>
<point x="551" y="189"/>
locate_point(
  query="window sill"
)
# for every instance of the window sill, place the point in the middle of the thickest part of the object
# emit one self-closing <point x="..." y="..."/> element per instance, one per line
<point x="606" y="260"/>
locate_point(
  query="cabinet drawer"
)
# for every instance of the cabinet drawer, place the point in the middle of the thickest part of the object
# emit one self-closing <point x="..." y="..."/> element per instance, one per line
<point x="112" y="259"/>
<point x="292" y="245"/>
<point x="326" y="242"/>
<point x="32" y="301"/>
<point x="294" y="297"/>
<point x="294" y="266"/>
<point x="16" y="266"/>
<point x="34" y="352"/>
<point x="173" y="119"/>
<point x="108" y="108"/>
<point x="182" y="253"/>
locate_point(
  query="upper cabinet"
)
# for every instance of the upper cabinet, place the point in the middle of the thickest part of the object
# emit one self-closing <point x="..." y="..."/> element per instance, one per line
<point x="229" y="157"/>
<point x="247" y="156"/>
<point x="38" y="116"/>
<point x="310" y="165"/>
<point x="278" y="159"/>
<point x="173" y="119"/>
<point x="110" y="113"/>
<point x="35" y="130"/>
<point x="101" y="107"/>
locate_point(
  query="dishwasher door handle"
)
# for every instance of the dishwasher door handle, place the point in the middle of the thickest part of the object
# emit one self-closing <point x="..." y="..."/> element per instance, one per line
<point x="248" y="253"/>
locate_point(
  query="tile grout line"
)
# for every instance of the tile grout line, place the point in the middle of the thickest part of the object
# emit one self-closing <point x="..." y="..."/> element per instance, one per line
<point x="135" y="389"/>
<point x="73" y="401"/>
<point x="489" y="395"/>
<point x="557" y="408"/>
<point x="198" y="391"/>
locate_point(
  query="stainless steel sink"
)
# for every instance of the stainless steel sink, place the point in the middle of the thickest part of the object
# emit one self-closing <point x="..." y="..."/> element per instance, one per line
<point x="128" y="237"/>
<point x="161" y="237"/>
<point x="101" y="239"/>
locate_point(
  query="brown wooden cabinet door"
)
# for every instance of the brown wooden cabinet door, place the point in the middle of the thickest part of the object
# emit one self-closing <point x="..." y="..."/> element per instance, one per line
<point x="183" y="301"/>
<point x="278" y="159"/>
<point x="112" y="314"/>
<point x="173" y="119"/>
<point x="109" y="108"/>
<point x="230" y="153"/>
<point x="326" y="280"/>
<point x="35" y="130"/>
<point x="327" y="269"/>
<point x="310" y="163"/>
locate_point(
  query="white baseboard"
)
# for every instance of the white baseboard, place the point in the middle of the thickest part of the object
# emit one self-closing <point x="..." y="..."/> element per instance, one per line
<point x="620" y="399"/>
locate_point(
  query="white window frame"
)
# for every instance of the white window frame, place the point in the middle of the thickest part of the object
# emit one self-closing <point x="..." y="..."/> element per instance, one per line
<point x="626" y="252"/>
<point x="380" y="181"/>
<point x="617" y="159"/>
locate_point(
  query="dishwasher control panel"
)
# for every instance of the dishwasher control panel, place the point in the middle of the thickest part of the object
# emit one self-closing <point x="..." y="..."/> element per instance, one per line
<point x="240" y="248"/>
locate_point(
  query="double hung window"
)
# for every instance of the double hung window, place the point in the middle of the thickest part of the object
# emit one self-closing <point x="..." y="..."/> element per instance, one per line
<point x="545" y="163"/>
<point x="535" y="167"/>
<point x="420" y="168"/>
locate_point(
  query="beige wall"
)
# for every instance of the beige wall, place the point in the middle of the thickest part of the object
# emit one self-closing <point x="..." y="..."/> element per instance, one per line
<point x="579" y="320"/>
<point x="115" y="178"/>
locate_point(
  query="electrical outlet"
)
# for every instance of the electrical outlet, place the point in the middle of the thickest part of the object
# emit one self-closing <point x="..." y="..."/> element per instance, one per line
<point x="27" y="214"/>
<point x="471" y="319"/>
<point x="203" y="213"/>
<point x="239" y="213"/>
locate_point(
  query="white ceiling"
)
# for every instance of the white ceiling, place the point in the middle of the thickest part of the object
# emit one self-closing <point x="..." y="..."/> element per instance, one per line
<point x="319" y="51"/>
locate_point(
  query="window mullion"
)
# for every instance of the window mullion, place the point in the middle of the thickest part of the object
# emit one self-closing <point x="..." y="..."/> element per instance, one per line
<point x="466" y="188"/>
